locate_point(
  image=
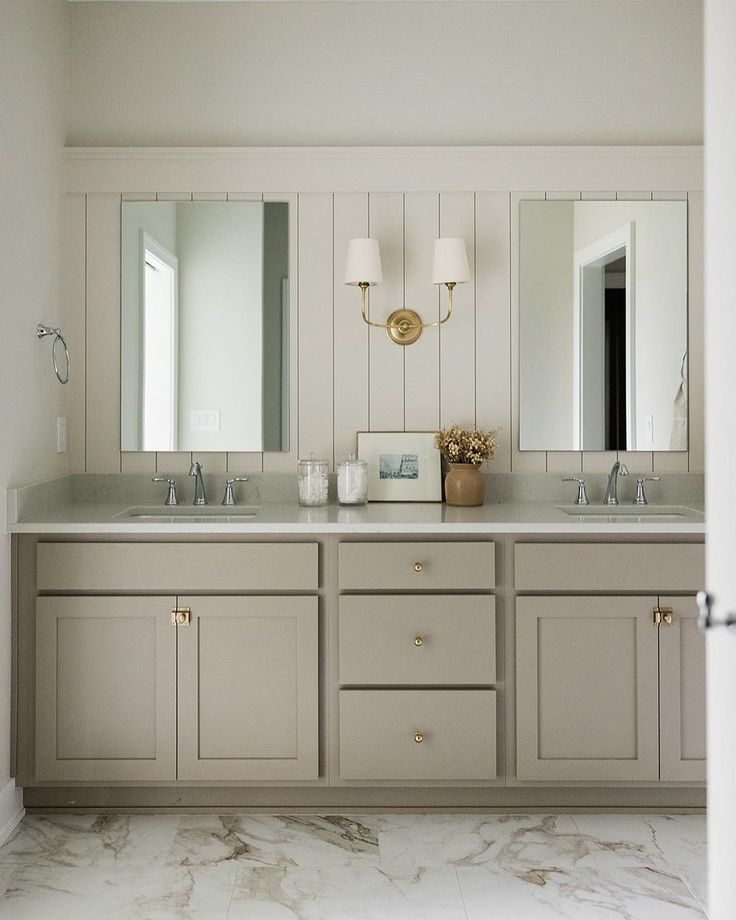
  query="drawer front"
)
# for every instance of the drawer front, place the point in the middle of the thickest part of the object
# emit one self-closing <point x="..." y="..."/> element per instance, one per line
<point x="412" y="640"/>
<point x="655" y="567"/>
<point x="179" y="567"/>
<point x="378" y="729"/>
<point x="417" y="566"/>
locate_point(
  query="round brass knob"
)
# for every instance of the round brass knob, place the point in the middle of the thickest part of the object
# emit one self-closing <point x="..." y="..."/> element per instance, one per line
<point x="418" y="737"/>
<point x="418" y="641"/>
<point x="418" y="567"/>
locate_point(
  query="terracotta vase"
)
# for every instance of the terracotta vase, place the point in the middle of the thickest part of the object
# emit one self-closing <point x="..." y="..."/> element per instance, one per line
<point x="465" y="485"/>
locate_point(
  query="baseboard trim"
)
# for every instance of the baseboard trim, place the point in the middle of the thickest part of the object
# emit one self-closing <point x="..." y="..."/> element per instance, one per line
<point x="11" y="810"/>
<point x="224" y="799"/>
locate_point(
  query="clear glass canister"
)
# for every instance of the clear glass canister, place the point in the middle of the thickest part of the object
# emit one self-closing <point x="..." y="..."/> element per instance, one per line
<point x="313" y="481"/>
<point x="352" y="481"/>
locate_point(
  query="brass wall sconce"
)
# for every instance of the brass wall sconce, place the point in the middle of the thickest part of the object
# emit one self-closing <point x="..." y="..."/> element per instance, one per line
<point x="363" y="270"/>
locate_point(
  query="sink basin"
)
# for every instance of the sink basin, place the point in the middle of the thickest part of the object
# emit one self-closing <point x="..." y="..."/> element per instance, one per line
<point x="188" y="514"/>
<point x="619" y="513"/>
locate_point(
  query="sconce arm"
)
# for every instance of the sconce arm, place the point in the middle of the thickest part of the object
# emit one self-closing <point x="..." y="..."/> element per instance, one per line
<point x="449" y="285"/>
<point x="363" y="289"/>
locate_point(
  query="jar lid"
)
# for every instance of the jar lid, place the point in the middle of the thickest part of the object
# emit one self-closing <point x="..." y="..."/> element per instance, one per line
<point x="352" y="460"/>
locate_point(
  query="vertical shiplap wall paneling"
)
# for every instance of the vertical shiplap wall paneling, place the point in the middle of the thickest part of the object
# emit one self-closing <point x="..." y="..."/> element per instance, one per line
<point x="386" y="360"/>
<point x="173" y="461"/>
<point x="422" y="359"/>
<point x="493" y="321"/>
<point x="103" y="334"/>
<point x="350" y="351"/>
<point x="212" y="461"/>
<point x="640" y="461"/>
<point x="526" y="461"/>
<point x="696" y="344"/>
<point x="457" y="337"/>
<point x="138" y="461"/>
<point x="315" y="325"/>
<point x="563" y="461"/>
<point x="598" y="461"/>
<point x="285" y="461"/>
<point x="76" y="312"/>
<point x="665" y="461"/>
<point x="244" y="461"/>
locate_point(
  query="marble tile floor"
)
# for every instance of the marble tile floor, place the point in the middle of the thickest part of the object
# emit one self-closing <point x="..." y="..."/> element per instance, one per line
<point x="364" y="867"/>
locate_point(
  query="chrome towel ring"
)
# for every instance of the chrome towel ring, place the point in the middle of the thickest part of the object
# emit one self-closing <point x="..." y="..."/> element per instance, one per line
<point x="41" y="332"/>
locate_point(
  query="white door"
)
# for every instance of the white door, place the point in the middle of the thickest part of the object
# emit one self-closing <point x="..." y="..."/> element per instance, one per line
<point x="720" y="327"/>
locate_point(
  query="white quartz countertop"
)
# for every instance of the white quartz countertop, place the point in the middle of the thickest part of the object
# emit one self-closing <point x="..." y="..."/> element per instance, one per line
<point x="377" y="517"/>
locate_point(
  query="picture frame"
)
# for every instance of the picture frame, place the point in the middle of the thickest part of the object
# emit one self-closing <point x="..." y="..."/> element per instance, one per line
<point x="403" y="466"/>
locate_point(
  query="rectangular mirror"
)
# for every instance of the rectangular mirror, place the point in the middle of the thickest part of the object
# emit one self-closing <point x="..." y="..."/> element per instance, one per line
<point x="603" y="325"/>
<point x="204" y="326"/>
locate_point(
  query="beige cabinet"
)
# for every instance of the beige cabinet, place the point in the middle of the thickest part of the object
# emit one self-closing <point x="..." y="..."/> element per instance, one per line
<point x="123" y="694"/>
<point x="609" y="689"/>
<point x="586" y="689"/>
<point x="248" y="689"/>
<point x="681" y="693"/>
<point x="105" y="689"/>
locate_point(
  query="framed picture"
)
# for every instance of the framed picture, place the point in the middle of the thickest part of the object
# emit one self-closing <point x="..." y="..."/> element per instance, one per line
<point x="403" y="466"/>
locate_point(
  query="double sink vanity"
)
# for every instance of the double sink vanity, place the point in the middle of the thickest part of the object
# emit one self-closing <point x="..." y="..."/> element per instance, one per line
<point x="519" y="654"/>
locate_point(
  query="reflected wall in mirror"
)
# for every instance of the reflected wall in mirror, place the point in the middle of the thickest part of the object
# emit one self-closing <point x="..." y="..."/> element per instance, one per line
<point x="204" y="326"/>
<point x="603" y="325"/>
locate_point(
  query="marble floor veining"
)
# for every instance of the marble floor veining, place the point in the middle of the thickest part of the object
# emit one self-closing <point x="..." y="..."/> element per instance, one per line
<point x="355" y="867"/>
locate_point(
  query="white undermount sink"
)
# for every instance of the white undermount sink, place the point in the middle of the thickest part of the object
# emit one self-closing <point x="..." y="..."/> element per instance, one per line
<point x="190" y="514"/>
<point x="618" y="513"/>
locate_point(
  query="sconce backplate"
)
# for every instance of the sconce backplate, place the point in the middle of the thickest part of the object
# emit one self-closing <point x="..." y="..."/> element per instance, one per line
<point x="404" y="327"/>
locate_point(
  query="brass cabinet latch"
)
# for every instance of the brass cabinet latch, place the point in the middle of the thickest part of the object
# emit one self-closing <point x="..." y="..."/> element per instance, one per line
<point x="663" y="615"/>
<point x="181" y="616"/>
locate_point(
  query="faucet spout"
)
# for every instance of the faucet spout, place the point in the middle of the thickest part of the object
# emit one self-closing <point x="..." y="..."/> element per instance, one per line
<point x="200" y="495"/>
<point x="618" y="469"/>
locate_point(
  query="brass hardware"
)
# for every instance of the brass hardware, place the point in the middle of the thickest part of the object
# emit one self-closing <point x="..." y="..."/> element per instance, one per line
<point x="418" y="737"/>
<point x="663" y="615"/>
<point x="418" y="641"/>
<point x="181" y="616"/>
<point x="404" y="326"/>
<point x="418" y="567"/>
<point x="657" y="616"/>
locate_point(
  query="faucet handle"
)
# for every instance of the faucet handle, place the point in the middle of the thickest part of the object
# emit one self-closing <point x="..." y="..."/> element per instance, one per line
<point x="640" y="498"/>
<point x="229" y="498"/>
<point x="582" y="498"/>
<point x="171" y="496"/>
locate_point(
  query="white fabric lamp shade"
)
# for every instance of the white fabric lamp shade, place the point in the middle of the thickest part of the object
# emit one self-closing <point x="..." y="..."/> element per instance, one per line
<point x="363" y="263"/>
<point x="450" y="261"/>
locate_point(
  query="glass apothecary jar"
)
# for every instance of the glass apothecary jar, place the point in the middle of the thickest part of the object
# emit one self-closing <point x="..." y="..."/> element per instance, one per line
<point x="312" y="480"/>
<point x="352" y="481"/>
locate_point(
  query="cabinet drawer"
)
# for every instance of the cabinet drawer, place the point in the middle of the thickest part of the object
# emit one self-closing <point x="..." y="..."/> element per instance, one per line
<point x="378" y="729"/>
<point x="417" y="566"/>
<point x="655" y="567"/>
<point x="177" y="567"/>
<point x="417" y="639"/>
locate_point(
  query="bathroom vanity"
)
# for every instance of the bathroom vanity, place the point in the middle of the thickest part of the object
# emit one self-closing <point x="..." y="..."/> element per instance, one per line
<point x="510" y="655"/>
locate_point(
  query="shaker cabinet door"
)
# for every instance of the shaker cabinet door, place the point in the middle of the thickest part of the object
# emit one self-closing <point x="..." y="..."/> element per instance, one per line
<point x="586" y="689"/>
<point x="105" y="689"/>
<point x="248" y="689"/>
<point x="682" y="693"/>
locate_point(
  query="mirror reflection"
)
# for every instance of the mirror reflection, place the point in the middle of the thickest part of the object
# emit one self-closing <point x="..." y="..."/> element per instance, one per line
<point x="204" y="326"/>
<point x="603" y="325"/>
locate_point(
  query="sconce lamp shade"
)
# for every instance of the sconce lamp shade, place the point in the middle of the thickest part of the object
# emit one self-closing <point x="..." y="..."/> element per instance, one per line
<point x="363" y="264"/>
<point x="450" y="262"/>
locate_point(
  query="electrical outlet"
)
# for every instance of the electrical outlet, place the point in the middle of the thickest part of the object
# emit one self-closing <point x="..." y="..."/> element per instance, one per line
<point x="61" y="434"/>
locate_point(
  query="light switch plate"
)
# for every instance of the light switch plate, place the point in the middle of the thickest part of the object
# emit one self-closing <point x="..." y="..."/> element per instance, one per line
<point x="204" y="420"/>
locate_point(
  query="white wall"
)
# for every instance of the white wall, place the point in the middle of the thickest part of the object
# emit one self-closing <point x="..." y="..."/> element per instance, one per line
<point x="33" y="111"/>
<point x="220" y="250"/>
<point x="625" y="72"/>
<point x="546" y="327"/>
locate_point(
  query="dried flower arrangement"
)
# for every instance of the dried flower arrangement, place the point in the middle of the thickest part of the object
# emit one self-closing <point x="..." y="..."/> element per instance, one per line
<point x="466" y="445"/>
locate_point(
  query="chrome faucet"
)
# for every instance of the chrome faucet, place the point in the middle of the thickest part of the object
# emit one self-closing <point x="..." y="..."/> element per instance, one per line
<point x="200" y="496"/>
<point x="617" y="469"/>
